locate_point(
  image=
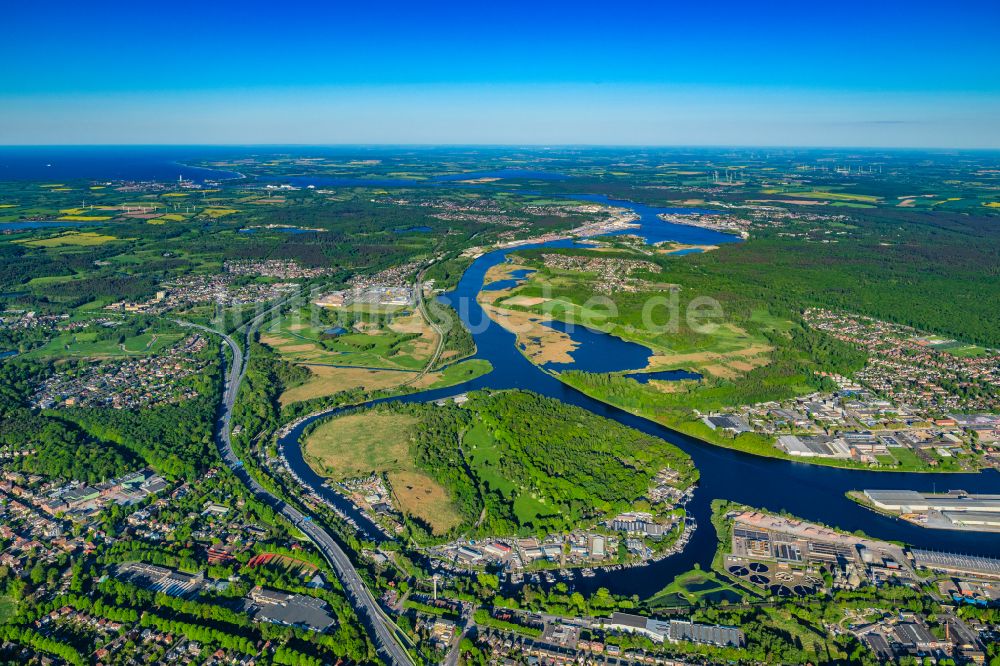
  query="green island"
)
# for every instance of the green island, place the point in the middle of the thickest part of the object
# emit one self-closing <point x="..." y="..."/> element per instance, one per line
<point x="508" y="462"/>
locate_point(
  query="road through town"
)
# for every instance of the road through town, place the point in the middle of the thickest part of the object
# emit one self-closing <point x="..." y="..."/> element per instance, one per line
<point x="379" y="628"/>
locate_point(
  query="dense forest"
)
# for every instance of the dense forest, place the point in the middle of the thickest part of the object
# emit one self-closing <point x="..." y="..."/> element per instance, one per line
<point x="174" y="439"/>
<point x="60" y="450"/>
<point x="458" y="341"/>
<point x="938" y="272"/>
<point x="257" y="406"/>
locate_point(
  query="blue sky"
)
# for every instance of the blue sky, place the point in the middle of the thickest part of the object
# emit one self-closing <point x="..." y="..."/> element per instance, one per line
<point x="752" y="73"/>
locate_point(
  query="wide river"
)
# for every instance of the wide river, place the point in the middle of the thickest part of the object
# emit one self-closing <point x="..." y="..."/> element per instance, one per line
<point x="810" y="491"/>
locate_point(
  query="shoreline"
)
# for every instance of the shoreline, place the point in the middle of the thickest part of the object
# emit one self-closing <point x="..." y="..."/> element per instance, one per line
<point x="669" y="218"/>
<point x="776" y="456"/>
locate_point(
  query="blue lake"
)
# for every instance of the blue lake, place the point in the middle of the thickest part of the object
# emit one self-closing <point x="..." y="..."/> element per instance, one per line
<point x="413" y="230"/>
<point x="598" y="351"/>
<point x="663" y="375"/>
<point x="161" y="163"/>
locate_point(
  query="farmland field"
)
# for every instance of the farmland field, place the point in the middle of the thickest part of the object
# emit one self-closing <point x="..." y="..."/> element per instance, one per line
<point x="327" y="380"/>
<point x="83" y="238"/>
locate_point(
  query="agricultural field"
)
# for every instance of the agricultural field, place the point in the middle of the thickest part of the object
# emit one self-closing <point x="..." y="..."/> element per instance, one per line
<point x="359" y="444"/>
<point x="326" y="380"/>
<point x="78" y="238"/>
<point x="835" y="196"/>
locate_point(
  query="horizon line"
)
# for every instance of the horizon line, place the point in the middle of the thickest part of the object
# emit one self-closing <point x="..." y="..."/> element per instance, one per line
<point x="541" y="146"/>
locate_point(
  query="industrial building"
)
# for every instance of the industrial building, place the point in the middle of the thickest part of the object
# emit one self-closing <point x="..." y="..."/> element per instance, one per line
<point x="955" y="509"/>
<point x="911" y="501"/>
<point x="812" y="446"/>
<point x="161" y="579"/>
<point x="956" y="563"/>
<point x="296" y="610"/>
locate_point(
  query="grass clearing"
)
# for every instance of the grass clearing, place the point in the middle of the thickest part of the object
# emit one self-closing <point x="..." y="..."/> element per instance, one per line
<point x="693" y="586"/>
<point x="525" y="301"/>
<point x="86" y="345"/>
<point x="8" y="607"/>
<point x="730" y="353"/>
<point x="484" y="456"/>
<point x="461" y="372"/>
<point x="359" y="444"/>
<point x="327" y="380"/>
<point x="963" y="350"/>
<point x="372" y="441"/>
<point x="421" y="497"/>
<point x="528" y="509"/>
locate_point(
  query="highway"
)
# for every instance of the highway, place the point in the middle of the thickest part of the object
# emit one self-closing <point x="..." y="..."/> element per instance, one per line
<point x="422" y="305"/>
<point x="377" y="623"/>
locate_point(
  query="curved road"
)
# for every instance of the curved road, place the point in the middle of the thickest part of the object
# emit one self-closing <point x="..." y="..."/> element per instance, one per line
<point x="364" y="603"/>
<point x="422" y="306"/>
